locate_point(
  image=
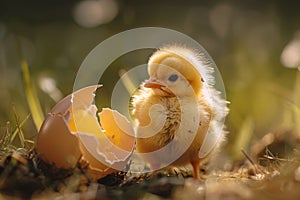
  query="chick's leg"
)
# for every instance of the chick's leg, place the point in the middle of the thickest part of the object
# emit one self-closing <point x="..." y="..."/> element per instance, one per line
<point x="196" y="165"/>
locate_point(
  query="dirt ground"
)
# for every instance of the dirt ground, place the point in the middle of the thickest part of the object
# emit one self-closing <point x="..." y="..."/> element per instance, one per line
<point x="24" y="176"/>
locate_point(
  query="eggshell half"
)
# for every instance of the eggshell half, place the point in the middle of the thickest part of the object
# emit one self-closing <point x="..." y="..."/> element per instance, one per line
<point x="56" y="144"/>
<point x="71" y="131"/>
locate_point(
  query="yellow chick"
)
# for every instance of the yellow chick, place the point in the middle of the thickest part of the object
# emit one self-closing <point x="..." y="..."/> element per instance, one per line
<point x="179" y="113"/>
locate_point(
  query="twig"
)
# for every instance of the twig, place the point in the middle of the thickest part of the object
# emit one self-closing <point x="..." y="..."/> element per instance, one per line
<point x="250" y="160"/>
<point x="247" y="156"/>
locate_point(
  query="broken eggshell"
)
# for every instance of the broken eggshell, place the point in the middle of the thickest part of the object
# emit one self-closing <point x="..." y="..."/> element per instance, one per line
<point x="71" y="132"/>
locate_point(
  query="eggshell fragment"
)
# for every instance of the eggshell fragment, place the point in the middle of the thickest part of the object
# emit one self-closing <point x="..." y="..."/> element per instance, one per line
<point x="111" y="150"/>
<point x="71" y="131"/>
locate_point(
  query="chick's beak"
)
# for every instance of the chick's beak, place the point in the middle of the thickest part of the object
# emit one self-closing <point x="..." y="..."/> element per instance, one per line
<point x="153" y="84"/>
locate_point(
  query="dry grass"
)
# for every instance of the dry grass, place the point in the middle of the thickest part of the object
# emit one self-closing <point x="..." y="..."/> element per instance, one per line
<point x="25" y="176"/>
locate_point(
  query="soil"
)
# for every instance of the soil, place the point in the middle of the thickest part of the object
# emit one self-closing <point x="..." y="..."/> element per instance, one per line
<point x="24" y="176"/>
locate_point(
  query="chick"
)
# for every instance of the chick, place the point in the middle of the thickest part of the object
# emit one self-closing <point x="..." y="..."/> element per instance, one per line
<point x="179" y="113"/>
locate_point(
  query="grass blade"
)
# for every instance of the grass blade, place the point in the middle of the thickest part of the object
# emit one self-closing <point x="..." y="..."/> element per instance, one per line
<point x="32" y="98"/>
<point x="14" y="134"/>
<point x="243" y="138"/>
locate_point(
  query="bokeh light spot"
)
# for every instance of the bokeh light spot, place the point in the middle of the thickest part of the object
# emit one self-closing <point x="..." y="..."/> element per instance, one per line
<point x="290" y="56"/>
<point x="92" y="13"/>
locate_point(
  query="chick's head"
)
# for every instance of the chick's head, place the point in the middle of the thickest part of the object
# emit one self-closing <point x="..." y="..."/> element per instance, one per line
<point x="173" y="75"/>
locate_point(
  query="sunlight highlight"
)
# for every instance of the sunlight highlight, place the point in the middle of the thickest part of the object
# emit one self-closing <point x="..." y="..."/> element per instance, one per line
<point x="48" y="85"/>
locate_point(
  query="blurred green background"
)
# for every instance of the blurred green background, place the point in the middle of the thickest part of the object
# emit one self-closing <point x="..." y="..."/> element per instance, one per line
<point x="255" y="44"/>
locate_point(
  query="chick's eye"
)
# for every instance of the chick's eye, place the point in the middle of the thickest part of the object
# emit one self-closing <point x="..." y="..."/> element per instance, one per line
<point x="173" y="77"/>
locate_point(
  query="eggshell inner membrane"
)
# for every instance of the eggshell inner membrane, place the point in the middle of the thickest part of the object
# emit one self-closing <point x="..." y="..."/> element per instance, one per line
<point x="117" y="128"/>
